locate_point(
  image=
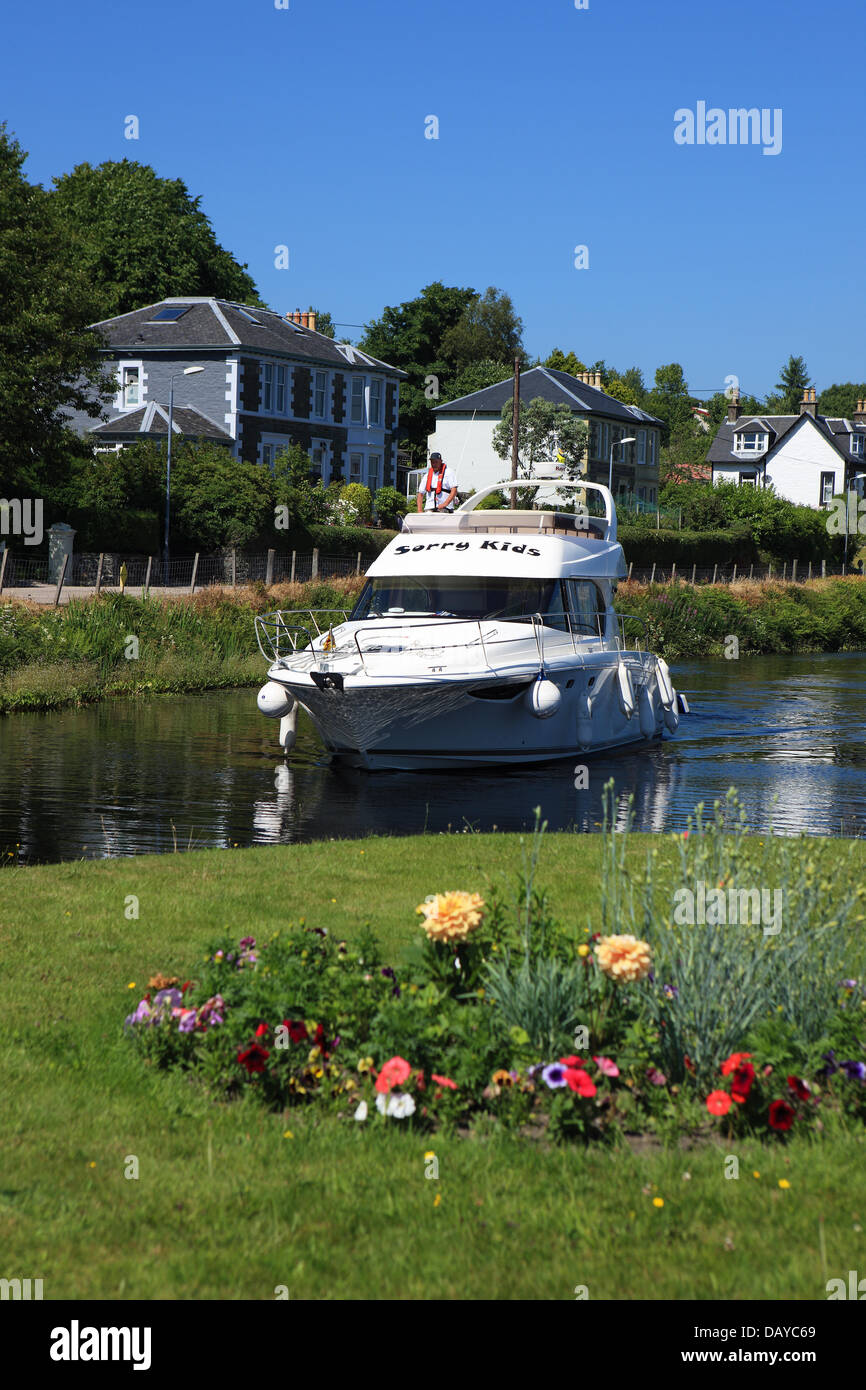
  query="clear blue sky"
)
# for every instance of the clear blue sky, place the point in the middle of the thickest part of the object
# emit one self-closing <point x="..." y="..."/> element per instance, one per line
<point x="305" y="126"/>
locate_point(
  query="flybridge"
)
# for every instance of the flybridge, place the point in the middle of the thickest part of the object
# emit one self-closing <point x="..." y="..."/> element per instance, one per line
<point x="579" y="525"/>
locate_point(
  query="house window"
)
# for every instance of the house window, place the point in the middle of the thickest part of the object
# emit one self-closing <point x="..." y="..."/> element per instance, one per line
<point x="375" y="401"/>
<point x="282" y="378"/>
<point x="356" y="464"/>
<point x="857" y="445"/>
<point x="268" y="455"/>
<point x="749" y="479"/>
<point x="652" y="497"/>
<point x="374" y="472"/>
<point x="828" y="485"/>
<point x="268" y="387"/>
<point x="595" y="440"/>
<point x="356" y="413"/>
<point x="318" y="459"/>
<point x="641" y="494"/>
<point x="131" y="387"/>
<point x="641" y="446"/>
<point x="605" y="441"/>
<point x="652" y="448"/>
<point x="320" y="385"/>
<point x="750" y="442"/>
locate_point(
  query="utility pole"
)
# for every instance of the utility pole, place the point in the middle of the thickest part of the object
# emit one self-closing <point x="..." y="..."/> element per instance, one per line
<point x="515" y="423"/>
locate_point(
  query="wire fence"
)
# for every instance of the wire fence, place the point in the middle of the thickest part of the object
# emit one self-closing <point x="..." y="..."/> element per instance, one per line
<point x="788" y="571"/>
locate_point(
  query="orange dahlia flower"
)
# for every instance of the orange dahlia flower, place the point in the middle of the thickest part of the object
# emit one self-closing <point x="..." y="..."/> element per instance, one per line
<point x="623" y="957"/>
<point x="451" y="916"/>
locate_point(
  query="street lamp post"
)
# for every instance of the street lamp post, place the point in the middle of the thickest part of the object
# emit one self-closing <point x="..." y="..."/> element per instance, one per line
<point x="629" y="439"/>
<point x="856" y="477"/>
<point x="187" y="371"/>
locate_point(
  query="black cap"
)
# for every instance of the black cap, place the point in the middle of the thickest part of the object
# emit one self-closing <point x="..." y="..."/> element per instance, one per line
<point x="435" y="456"/>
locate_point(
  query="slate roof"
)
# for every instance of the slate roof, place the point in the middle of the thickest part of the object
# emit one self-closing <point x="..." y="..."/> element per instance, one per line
<point x="218" y="323"/>
<point x="550" y="385"/>
<point x="152" y="419"/>
<point x="836" y="432"/>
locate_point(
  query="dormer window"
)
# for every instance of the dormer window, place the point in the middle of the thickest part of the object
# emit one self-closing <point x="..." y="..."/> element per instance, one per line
<point x="750" y="442"/>
<point x="857" y="445"/>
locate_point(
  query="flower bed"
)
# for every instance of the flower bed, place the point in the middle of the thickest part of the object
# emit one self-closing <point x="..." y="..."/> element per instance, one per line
<point x="501" y="1017"/>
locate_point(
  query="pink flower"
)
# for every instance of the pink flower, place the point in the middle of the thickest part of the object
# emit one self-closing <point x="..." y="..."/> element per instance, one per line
<point x="577" y="1080"/>
<point x="606" y="1066"/>
<point x="443" y="1081"/>
<point x="393" y="1073"/>
<point x="656" y="1077"/>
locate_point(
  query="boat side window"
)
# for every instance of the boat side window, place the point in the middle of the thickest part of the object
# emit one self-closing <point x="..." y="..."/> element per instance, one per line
<point x="586" y="604"/>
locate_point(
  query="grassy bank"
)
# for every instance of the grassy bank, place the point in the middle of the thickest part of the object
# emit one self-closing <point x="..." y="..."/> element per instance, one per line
<point x="80" y="653"/>
<point x="232" y="1201"/>
<point x="83" y="652"/>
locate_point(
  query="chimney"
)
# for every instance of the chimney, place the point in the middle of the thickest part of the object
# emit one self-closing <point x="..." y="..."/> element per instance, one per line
<point x="808" y="405"/>
<point x="597" y="383"/>
<point x="734" y="408"/>
<point x="312" y="320"/>
<point x="305" y="320"/>
<point x="859" y="416"/>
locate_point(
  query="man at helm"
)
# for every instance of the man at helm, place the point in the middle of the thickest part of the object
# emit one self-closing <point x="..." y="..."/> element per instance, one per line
<point x="440" y="489"/>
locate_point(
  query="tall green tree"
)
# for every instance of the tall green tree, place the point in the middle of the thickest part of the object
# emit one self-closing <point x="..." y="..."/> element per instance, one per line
<point x="794" y="379"/>
<point x="840" y="401"/>
<point x="488" y="328"/>
<point x="477" y="375"/>
<point x="544" y="431"/>
<point x="48" y="360"/>
<point x="139" y="238"/>
<point x="410" y="336"/>
<point x="669" y="400"/>
<point x="560" y="361"/>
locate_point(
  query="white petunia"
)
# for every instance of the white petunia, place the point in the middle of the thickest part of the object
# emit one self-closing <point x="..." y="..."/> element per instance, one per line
<point x="361" y="1112"/>
<point x="398" y="1105"/>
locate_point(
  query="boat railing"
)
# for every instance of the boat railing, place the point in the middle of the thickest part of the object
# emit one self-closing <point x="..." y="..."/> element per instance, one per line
<point x="284" y="637"/>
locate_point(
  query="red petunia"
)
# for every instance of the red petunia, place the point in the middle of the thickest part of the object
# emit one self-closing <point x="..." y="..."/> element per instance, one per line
<point x="800" y="1088"/>
<point x="393" y="1073"/>
<point x="254" y="1058"/>
<point x="444" y="1081"/>
<point x="735" y="1059"/>
<point x="577" y="1080"/>
<point x="185" y="986"/>
<point x="718" y="1102"/>
<point x="781" y="1115"/>
<point x="297" y="1031"/>
<point x="689" y="1064"/>
<point x="262" y="1030"/>
<point x="741" y="1083"/>
<point x="571" y="1062"/>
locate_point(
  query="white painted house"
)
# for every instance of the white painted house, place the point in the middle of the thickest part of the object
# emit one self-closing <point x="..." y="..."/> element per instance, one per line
<point x="807" y="458"/>
<point x="464" y="432"/>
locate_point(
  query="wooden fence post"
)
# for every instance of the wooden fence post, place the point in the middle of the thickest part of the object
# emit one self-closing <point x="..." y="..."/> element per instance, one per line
<point x="810" y="569"/>
<point x="823" y="570"/>
<point x="234" y="568"/>
<point x="674" y="572"/>
<point x="292" y="575"/>
<point x="99" y="573"/>
<point x="785" y="572"/>
<point x="194" y="573"/>
<point x="715" y="571"/>
<point x="734" y="576"/>
<point x="314" y="573"/>
<point x="653" y="575"/>
<point x="628" y="576"/>
<point x="269" y="572"/>
<point x="751" y="569"/>
<point x="358" y="564"/>
<point x="694" y="572"/>
<point x="794" y="572"/>
<point x="147" y="576"/>
<point x="60" y="580"/>
<point x="3" y="568"/>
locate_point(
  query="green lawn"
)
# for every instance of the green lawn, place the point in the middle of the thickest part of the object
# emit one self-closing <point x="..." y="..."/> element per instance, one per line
<point x="232" y="1202"/>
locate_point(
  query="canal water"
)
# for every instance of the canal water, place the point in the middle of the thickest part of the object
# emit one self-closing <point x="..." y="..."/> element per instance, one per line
<point x="130" y="777"/>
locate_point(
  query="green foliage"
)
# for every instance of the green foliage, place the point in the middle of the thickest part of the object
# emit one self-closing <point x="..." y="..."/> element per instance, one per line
<point x="218" y="500"/>
<point x="794" y="379"/>
<point x="488" y="328"/>
<point x="48" y="361"/>
<point x="544" y="430"/>
<point x="780" y="530"/>
<point x="138" y="238"/>
<point x="475" y="376"/>
<point x="295" y="488"/>
<point x="560" y="361"/>
<point x="390" y="506"/>
<point x="669" y="400"/>
<point x="355" y="505"/>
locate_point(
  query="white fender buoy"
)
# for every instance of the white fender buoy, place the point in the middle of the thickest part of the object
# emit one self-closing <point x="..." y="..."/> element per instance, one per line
<point x="584" y="720"/>
<point x="626" y="690"/>
<point x="665" y="685"/>
<point x="543" y="698"/>
<point x="672" y="718"/>
<point x="274" y="700"/>
<point x="289" y="728"/>
<point x="647" y="712"/>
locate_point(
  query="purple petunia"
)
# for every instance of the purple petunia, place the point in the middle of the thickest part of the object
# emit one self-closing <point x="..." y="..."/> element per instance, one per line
<point x="855" y="1071"/>
<point x="554" y="1076"/>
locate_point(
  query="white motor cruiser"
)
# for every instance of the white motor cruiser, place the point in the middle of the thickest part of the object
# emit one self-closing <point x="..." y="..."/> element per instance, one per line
<point x="479" y="638"/>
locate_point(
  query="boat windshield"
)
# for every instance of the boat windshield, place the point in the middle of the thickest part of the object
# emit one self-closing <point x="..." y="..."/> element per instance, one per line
<point x="460" y="596"/>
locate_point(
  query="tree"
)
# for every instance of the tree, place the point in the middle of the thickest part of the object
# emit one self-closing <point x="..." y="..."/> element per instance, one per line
<point x="410" y="336"/>
<point x="669" y="400"/>
<point x="218" y="500"/>
<point x="295" y="487"/>
<point x="793" y="382"/>
<point x="840" y="402"/>
<point x="560" y="361"/>
<point x="139" y="238"/>
<point x="544" y="431"/>
<point x="477" y="375"/>
<point x="488" y="328"/>
<point x="324" y="323"/>
<point x="48" y="360"/>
